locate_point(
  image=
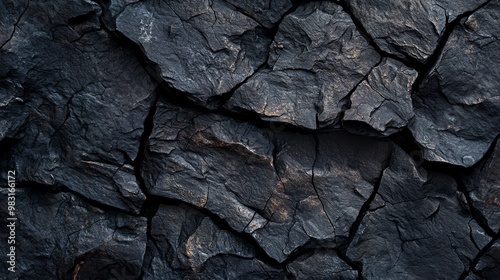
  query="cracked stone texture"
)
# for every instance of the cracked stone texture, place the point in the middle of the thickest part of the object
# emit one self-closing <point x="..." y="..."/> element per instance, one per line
<point x="185" y="242"/>
<point x="322" y="264"/>
<point x="203" y="48"/>
<point x="383" y="99"/>
<point x="283" y="196"/>
<point x="275" y="142"/>
<point x="484" y="189"/>
<point x="409" y="29"/>
<point x="456" y="108"/>
<point x="416" y="210"/>
<point x="311" y="69"/>
<point x="488" y="266"/>
<point x="60" y="236"/>
<point x="77" y="119"/>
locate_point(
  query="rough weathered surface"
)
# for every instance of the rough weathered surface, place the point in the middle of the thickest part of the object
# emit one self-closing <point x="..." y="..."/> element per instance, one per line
<point x="78" y="119"/>
<point x="251" y="139"/>
<point x="322" y="264"/>
<point x="283" y="196"/>
<point x="311" y="69"/>
<point x="456" y="107"/>
<point x="415" y="210"/>
<point x="483" y="186"/>
<point x="204" y="48"/>
<point x="488" y="266"/>
<point x="59" y="236"/>
<point x="187" y="243"/>
<point x="409" y="29"/>
<point x="383" y="100"/>
<point x="212" y="162"/>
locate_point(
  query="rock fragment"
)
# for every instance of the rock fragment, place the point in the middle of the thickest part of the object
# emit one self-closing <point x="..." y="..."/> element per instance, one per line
<point x="202" y="48"/>
<point x="60" y="236"/>
<point x="383" y="99"/>
<point x="316" y="59"/>
<point x="409" y="29"/>
<point x="456" y="107"/>
<point x="75" y="101"/>
<point x="420" y="223"/>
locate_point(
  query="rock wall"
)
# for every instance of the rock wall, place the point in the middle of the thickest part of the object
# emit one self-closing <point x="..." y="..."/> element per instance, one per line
<point x="267" y="139"/>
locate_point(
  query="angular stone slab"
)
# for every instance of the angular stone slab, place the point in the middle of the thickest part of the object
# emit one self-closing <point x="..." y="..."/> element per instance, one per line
<point x="456" y="107"/>
<point x="316" y="59"/>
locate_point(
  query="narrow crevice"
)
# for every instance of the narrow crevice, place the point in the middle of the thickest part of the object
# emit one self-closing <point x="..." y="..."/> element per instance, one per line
<point x="15" y="25"/>
<point x="316" y="154"/>
<point x="260" y="253"/>
<point x="477" y="258"/>
<point x="408" y="61"/>
<point x="365" y="208"/>
<point x="221" y="100"/>
<point x="58" y="188"/>
<point x="141" y="152"/>
<point x="434" y="58"/>
<point x="407" y="142"/>
<point x="346" y="100"/>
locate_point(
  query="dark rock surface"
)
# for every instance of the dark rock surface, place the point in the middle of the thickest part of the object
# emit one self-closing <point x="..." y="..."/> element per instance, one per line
<point x="185" y="242"/>
<point x="483" y="186"/>
<point x="204" y="48"/>
<point x="409" y="29"/>
<point x="311" y="70"/>
<point x="60" y="236"/>
<point x="457" y="105"/>
<point x="268" y="139"/>
<point x="415" y="210"/>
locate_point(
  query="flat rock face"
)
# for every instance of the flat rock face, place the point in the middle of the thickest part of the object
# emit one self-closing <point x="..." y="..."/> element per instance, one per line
<point x="204" y="48"/>
<point x="311" y="70"/>
<point x="60" y="236"/>
<point x="457" y="105"/>
<point x="408" y="29"/>
<point x="415" y="210"/>
<point x="250" y="139"/>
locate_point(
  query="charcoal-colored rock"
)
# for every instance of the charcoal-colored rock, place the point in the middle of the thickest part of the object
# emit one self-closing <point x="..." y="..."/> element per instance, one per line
<point x="283" y="201"/>
<point x="483" y="186"/>
<point x="456" y="108"/>
<point x="212" y="162"/>
<point x="409" y="29"/>
<point x="186" y="243"/>
<point x="324" y="183"/>
<point x="488" y="266"/>
<point x="323" y="264"/>
<point x="78" y="115"/>
<point x="383" y="100"/>
<point x="60" y="236"/>
<point x="203" y="48"/>
<point x="316" y="59"/>
<point x="422" y="227"/>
